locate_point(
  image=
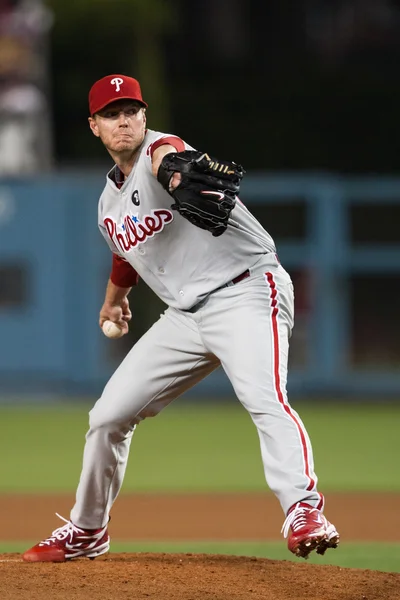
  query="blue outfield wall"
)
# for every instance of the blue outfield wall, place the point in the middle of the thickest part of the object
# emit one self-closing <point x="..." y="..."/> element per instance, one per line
<point x="49" y="337"/>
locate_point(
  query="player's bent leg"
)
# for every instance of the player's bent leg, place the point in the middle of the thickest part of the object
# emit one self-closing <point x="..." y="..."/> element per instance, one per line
<point x="169" y="359"/>
<point x="254" y="354"/>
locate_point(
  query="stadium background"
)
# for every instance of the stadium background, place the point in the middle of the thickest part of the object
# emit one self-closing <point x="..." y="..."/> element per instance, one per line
<point x="305" y="95"/>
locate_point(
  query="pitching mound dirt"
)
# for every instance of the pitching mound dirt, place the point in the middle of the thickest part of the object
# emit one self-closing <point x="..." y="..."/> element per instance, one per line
<point x="189" y="577"/>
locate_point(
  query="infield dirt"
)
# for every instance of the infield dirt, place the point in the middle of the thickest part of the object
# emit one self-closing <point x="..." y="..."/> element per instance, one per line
<point x="216" y="517"/>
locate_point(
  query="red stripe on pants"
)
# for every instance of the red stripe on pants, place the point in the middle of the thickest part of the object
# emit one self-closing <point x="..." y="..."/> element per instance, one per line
<point x="277" y="378"/>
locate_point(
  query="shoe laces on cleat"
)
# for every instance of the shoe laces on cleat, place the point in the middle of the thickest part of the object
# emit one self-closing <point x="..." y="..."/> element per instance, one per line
<point x="297" y="518"/>
<point x="63" y="532"/>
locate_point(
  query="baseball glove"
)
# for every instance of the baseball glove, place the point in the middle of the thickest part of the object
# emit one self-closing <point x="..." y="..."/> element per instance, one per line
<point x="207" y="192"/>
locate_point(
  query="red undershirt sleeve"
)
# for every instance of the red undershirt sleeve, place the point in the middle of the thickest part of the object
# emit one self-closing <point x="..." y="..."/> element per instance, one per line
<point x="122" y="273"/>
<point x="170" y="139"/>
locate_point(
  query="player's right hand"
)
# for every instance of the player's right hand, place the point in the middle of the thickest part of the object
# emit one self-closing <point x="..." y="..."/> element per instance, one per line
<point x="117" y="313"/>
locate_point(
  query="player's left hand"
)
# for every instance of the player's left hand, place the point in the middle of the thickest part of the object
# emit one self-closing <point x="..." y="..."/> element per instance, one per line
<point x="204" y="189"/>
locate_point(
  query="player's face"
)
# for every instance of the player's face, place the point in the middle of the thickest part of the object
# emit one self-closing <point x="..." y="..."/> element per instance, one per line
<point x="121" y="125"/>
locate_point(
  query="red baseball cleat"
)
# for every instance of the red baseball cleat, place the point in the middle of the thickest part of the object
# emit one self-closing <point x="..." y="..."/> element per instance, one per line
<point x="310" y="530"/>
<point x="68" y="542"/>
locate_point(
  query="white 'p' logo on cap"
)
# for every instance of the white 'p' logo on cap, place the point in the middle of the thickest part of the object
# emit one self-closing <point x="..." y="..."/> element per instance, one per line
<point x="117" y="81"/>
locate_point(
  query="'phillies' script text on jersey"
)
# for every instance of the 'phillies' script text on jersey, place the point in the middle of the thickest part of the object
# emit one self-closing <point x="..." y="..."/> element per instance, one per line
<point x="135" y="232"/>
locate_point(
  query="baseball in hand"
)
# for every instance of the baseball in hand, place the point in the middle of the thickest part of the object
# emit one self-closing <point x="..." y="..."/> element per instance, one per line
<point x="112" y="330"/>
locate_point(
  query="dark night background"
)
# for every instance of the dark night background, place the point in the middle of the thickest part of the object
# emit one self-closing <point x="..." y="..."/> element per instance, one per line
<point x="311" y="84"/>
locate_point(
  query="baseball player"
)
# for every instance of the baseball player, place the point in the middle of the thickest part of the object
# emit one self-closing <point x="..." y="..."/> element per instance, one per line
<point x="172" y="216"/>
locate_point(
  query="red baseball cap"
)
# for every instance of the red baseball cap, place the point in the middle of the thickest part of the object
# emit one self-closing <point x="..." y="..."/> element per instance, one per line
<point x="111" y="88"/>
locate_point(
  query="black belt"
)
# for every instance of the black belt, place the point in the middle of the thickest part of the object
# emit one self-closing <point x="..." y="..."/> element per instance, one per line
<point x="240" y="277"/>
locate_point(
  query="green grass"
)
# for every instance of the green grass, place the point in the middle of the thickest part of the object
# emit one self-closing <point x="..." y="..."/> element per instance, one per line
<point x="200" y="448"/>
<point x="209" y="448"/>
<point x="380" y="557"/>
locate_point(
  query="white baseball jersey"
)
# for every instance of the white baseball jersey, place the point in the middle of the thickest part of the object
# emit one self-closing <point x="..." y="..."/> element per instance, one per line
<point x="180" y="262"/>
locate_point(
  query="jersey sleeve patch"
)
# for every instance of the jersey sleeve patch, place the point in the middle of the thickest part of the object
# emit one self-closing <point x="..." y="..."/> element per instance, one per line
<point x="171" y="139"/>
<point x="122" y="273"/>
